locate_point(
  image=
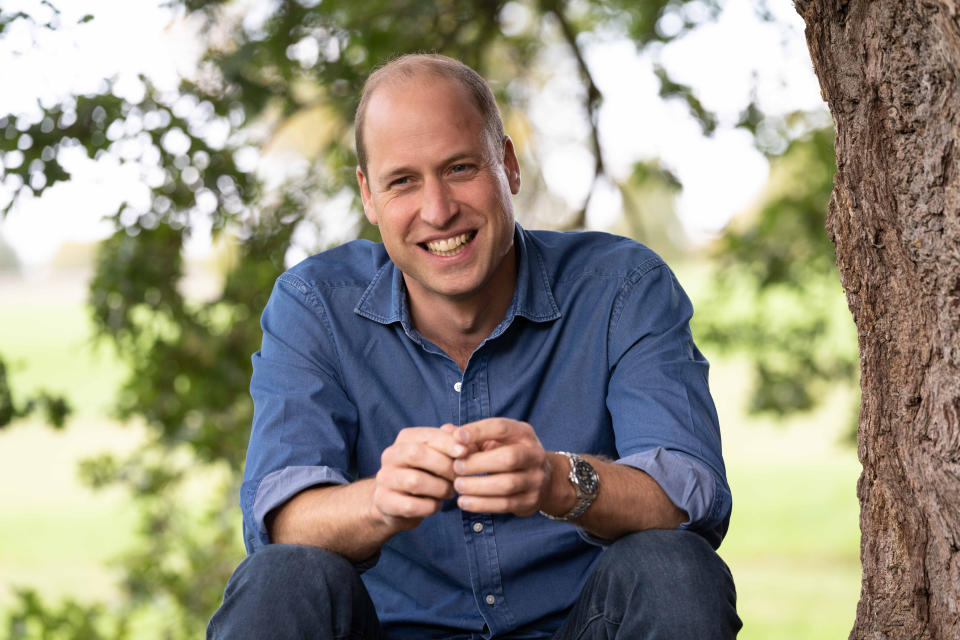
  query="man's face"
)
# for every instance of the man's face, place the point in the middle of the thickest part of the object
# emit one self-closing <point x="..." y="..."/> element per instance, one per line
<point x="438" y="190"/>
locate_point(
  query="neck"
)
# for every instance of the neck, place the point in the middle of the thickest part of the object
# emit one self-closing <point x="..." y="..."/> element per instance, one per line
<point x="459" y="325"/>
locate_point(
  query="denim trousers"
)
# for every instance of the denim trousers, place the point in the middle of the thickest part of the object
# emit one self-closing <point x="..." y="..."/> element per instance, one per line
<point x="648" y="585"/>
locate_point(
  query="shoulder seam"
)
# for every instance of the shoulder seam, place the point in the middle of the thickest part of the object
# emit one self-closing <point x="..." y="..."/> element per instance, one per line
<point x="632" y="278"/>
<point x="310" y="296"/>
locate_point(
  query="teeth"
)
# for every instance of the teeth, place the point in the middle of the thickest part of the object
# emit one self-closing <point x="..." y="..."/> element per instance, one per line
<point x="448" y="246"/>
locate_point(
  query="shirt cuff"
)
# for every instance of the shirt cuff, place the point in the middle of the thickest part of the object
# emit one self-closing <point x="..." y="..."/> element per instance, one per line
<point x="689" y="485"/>
<point x="281" y="485"/>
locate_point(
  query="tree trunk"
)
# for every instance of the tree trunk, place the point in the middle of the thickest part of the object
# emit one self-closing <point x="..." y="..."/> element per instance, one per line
<point x="890" y="72"/>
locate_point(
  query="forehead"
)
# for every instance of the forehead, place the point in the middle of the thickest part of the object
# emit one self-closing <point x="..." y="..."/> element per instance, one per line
<point x="421" y="114"/>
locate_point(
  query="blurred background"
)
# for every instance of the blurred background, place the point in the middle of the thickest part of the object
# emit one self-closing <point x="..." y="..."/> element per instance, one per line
<point x="164" y="160"/>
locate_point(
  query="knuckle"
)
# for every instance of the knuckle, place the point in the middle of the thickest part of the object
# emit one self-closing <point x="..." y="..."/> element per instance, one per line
<point x="538" y="477"/>
<point x="528" y="505"/>
<point x="387" y="456"/>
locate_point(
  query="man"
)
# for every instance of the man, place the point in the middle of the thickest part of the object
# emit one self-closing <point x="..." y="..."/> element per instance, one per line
<point x="414" y="400"/>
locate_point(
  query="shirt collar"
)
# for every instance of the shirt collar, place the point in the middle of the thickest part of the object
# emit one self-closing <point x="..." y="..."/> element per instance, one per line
<point x="385" y="298"/>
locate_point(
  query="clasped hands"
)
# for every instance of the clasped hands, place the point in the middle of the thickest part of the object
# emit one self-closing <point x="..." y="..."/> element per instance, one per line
<point x="496" y="465"/>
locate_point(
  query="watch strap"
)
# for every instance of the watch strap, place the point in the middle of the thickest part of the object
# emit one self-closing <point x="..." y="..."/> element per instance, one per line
<point x="584" y="498"/>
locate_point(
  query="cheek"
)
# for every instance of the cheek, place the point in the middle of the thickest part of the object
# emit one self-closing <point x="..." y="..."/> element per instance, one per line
<point x="394" y="222"/>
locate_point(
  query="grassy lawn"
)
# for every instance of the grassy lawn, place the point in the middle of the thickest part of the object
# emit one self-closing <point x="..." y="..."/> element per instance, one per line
<point x="55" y="534"/>
<point x="793" y="548"/>
<point x="792" y="544"/>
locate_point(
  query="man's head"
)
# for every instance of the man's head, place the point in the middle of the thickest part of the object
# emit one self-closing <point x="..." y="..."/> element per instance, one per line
<point x="407" y="67"/>
<point x="437" y="175"/>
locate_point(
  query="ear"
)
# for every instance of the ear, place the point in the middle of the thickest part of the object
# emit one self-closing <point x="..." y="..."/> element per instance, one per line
<point x="366" y="197"/>
<point x="511" y="166"/>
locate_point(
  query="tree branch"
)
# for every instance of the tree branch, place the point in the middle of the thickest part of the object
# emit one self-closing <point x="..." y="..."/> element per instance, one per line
<point x="592" y="103"/>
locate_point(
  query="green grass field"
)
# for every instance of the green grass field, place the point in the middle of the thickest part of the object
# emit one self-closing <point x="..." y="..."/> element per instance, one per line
<point x="792" y="544"/>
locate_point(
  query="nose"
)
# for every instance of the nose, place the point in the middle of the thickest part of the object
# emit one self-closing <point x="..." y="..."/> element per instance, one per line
<point x="438" y="206"/>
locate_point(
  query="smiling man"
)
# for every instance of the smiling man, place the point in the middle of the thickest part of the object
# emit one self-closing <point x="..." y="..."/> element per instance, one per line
<point x="474" y="430"/>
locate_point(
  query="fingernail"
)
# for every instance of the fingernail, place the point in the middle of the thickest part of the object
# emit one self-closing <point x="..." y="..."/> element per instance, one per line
<point x="458" y="484"/>
<point x="459" y="450"/>
<point x="459" y="466"/>
<point x="463" y="435"/>
<point x="464" y="503"/>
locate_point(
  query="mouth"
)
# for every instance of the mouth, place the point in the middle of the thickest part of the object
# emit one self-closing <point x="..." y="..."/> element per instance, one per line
<point x="448" y="247"/>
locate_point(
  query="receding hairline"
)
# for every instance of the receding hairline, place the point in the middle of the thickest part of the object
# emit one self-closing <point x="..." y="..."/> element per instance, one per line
<point x="410" y="67"/>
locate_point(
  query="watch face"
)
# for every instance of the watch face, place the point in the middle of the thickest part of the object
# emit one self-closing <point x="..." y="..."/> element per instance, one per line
<point x="586" y="477"/>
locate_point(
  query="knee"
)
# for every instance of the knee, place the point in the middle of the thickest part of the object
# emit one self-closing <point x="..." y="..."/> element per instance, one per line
<point x="669" y="569"/>
<point x="291" y="591"/>
<point x="671" y="556"/>
<point x="278" y="570"/>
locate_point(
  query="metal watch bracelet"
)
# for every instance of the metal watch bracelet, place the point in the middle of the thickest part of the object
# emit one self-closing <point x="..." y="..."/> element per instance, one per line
<point x="585" y="480"/>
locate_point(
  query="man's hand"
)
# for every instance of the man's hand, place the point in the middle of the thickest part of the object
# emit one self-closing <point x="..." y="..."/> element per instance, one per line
<point x="416" y="475"/>
<point x="507" y="470"/>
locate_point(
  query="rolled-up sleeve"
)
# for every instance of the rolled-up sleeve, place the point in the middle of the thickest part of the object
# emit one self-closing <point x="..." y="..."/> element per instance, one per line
<point x="664" y="418"/>
<point x="304" y="424"/>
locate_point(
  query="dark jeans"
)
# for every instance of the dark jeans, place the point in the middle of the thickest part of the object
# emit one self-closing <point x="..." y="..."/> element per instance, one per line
<point x="652" y="584"/>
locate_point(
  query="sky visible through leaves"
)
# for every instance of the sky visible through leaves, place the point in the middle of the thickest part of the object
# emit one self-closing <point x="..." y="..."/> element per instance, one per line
<point x="726" y="62"/>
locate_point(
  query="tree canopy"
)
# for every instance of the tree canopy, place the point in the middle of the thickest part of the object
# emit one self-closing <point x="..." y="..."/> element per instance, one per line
<point x="300" y="68"/>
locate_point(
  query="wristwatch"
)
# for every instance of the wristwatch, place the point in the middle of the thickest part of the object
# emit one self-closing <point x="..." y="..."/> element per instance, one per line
<point x="587" y="483"/>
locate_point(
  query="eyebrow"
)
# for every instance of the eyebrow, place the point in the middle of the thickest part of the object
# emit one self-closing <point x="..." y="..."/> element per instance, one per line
<point x="388" y="177"/>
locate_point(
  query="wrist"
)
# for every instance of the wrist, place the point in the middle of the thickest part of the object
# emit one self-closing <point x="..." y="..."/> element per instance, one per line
<point x="561" y="495"/>
<point x="584" y="480"/>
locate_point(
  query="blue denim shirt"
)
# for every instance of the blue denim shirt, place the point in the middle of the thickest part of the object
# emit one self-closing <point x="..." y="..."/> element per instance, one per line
<point x="594" y="352"/>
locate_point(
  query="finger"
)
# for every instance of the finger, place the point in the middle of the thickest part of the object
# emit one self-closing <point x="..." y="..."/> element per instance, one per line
<point x="499" y="484"/>
<point x="414" y="482"/>
<point x="469" y="448"/>
<point x="501" y="460"/>
<point x="448" y="428"/>
<point x="399" y="505"/>
<point x="521" y="504"/>
<point x="439" y="439"/>
<point x="417" y="455"/>
<point x="492" y="429"/>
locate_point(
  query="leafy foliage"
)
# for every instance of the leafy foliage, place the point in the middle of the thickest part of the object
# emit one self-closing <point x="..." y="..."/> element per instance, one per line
<point x="32" y="619"/>
<point x="777" y="295"/>
<point x="189" y="356"/>
<point x="55" y="409"/>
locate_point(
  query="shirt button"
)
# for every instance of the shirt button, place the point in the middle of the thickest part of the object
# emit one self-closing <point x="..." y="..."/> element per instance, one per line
<point x="457" y="386"/>
<point x="490" y="600"/>
<point x="477" y="527"/>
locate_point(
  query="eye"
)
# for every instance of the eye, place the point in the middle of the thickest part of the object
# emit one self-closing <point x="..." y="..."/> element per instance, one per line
<point x="462" y="169"/>
<point x="399" y="182"/>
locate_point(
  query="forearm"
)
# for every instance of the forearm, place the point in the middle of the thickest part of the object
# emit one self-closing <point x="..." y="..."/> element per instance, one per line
<point x="356" y="519"/>
<point x="339" y="518"/>
<point x="629" y="500"/>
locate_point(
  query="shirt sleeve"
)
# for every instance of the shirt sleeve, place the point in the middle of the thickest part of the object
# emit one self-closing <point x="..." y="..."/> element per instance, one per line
<point x="664" y="419"/>
<point x="304" y="424"/>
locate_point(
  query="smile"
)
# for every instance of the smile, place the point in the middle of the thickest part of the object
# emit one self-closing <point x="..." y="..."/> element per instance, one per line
<point x="449" y="246"/>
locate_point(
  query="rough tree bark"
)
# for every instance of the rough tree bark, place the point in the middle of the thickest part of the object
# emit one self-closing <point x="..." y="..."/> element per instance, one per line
<point x="890" y="72"/>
